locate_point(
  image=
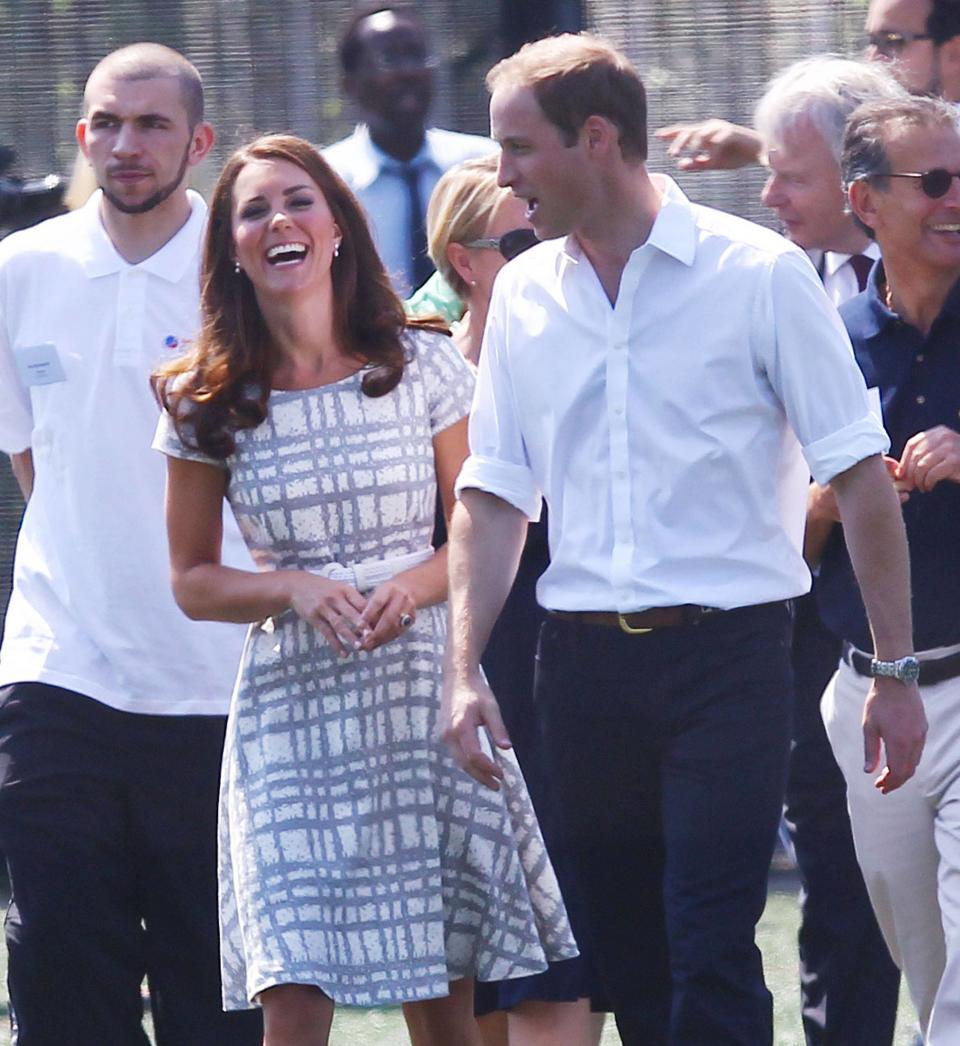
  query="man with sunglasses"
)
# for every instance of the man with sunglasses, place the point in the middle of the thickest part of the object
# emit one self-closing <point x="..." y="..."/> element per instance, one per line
<point x="919" y="38"/>
<point x="394" y="158"/>
<point x="901" y="163"/>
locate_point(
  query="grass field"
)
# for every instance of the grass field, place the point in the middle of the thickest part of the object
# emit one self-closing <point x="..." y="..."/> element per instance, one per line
<point x="776" y="937"/>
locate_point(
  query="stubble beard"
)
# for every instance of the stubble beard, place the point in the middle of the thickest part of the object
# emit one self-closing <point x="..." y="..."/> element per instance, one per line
<point x="162" y="194"/>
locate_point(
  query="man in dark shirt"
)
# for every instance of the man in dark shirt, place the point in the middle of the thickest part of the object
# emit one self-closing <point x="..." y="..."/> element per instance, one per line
<point x="901" y="163"/>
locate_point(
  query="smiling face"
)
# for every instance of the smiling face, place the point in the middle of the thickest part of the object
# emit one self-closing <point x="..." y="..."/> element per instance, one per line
<point x="909" y="226"/>
<point x="137" y="137"/>
<point x="804" y="189"/>
<point x="284" y="234"/>
<point x="537" y="164"/>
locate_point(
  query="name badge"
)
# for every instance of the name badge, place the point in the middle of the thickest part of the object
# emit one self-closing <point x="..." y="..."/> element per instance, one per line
<point x="39" y="365"/>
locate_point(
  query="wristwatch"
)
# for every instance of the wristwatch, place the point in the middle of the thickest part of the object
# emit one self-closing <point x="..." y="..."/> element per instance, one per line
<point x="905" y="669"/>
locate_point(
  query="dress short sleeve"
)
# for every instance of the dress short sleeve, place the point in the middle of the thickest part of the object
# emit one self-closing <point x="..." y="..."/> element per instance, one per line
<point x="168" y="441"/>
<point x="447" y="376"/>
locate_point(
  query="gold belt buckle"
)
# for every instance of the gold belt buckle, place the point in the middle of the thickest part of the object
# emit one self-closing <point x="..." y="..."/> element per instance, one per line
<point x="626" y="627"/>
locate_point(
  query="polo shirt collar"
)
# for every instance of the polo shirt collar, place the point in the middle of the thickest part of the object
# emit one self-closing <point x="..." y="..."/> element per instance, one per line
<point x="877" y="317"/>
<point x="369" y="161"/>
<point x="674" y="231"/>
<point x="99" y="257"/>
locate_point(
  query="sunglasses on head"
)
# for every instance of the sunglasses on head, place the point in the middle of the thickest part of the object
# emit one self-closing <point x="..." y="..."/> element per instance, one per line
<point x="935" y="183"/>
<point x="890" y="45"/>
<point x="510" y="244"/>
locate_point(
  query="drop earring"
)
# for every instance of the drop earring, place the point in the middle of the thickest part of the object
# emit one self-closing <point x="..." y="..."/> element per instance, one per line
<point x="336" y="249"/>
<point x="236" y="267"/>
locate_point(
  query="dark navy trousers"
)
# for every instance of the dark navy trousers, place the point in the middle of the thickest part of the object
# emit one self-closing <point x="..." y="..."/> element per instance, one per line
<point x="666" y="755"/>
<point x="108" y="824"/>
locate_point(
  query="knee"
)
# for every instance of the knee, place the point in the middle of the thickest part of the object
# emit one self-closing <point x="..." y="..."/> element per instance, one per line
<point x="295" y="1014"/>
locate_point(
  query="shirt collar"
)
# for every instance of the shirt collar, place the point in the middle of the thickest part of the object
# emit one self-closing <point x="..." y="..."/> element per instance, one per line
<point x="369" y="161"/>
<point x="674" y="229"/>
<point x="99" y="257"/>
<point x="832" y="260"/>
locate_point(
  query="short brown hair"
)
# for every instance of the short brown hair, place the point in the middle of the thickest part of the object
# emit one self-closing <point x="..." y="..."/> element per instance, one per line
<point x="575" y="76"/>
<point x="149" y="61"/>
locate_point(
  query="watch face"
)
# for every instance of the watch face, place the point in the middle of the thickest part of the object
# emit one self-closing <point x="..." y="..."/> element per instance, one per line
<point x="908" y="669"/>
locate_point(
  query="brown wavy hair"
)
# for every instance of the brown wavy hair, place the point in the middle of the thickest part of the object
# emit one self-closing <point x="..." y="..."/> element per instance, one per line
<point x="222" y="385"/>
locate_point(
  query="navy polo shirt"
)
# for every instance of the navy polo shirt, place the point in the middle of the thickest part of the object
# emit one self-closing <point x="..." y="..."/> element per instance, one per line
<point x="919" y="382"/>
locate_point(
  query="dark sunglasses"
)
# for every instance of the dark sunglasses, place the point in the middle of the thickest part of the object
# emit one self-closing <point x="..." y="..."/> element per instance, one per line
<point x="510" y="244"/>
<point x="890" y="45"/>
<point x="935" y="183"/>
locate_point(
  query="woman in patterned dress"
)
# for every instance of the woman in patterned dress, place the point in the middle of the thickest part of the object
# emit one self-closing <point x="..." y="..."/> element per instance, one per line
<point x="357" y="863"/>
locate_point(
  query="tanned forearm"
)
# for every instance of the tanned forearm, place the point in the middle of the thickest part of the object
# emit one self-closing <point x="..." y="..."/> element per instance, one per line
<point x="877" y="543"/>
<point x="22" y="465"/>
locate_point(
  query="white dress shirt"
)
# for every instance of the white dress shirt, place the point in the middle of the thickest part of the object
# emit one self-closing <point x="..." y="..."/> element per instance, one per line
<point x="666" y="431"/>
<point x="80" y="332"/>
<point x="377" y="180"/>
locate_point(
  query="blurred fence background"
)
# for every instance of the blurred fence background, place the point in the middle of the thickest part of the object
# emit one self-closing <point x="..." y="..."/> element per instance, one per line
<point x="271" y="65"/>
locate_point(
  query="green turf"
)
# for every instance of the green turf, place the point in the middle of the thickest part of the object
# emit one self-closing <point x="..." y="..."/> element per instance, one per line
<point x="776" y="937"/>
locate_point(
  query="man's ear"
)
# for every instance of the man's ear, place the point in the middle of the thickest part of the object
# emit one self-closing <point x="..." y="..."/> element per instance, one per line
<point x="600" y="134"/>
<point x="201" y="142"/>
<point x="862" y="198"/>
<point x="81" y="134"/>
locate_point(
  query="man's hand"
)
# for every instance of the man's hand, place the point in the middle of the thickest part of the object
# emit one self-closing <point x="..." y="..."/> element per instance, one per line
<point x="893" y="713"/>
<point x="930" y="457"/>
<point x="712" y="145"/>
<point x="465" y="709"/>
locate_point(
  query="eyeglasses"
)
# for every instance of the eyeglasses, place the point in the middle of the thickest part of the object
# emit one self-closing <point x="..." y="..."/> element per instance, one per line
<point x="890" y="45"/>
<point x="935" y="183"/>
<point x="510" y="244"/>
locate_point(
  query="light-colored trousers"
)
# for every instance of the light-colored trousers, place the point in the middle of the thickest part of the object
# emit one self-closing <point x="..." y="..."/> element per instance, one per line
<point x="908" y="845"/>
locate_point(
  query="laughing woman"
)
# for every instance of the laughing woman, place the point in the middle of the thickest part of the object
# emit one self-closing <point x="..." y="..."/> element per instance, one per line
<point x="357" y="863"/>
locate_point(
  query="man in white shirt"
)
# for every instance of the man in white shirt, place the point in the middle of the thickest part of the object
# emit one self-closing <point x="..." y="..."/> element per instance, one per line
<point x="691" y="357"/>
<point x="393" y="159"/>
<point x="112" y="703"/>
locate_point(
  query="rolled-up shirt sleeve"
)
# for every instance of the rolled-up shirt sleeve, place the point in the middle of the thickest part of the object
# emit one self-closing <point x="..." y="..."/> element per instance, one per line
<point x="498" y="461"/>
<point x="811" y="367"/>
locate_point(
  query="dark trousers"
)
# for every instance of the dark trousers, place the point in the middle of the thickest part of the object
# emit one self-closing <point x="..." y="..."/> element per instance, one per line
<point x="108" y="824"/>
<point x="667" y="755"/>
<point x="849" y="984"/>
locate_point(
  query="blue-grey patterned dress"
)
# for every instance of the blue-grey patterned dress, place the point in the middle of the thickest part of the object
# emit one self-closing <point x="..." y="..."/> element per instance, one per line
<point x="354" y="855"/>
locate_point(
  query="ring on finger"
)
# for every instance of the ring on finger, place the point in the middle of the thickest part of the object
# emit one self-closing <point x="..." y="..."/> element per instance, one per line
<point x="406" y="620"/>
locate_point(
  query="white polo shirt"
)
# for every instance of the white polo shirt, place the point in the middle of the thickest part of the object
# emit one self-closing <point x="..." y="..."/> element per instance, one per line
<point x="80" y="332"/>
<point x="666" y="431"/>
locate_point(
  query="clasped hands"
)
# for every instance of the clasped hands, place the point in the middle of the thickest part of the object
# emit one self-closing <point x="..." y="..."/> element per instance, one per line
<point x="928" y="458"/>
<point x="349" y="620"/>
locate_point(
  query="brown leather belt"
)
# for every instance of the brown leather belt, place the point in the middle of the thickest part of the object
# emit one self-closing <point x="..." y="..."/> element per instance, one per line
<point x="641" y="621"/>
<point x="644" y="621"/>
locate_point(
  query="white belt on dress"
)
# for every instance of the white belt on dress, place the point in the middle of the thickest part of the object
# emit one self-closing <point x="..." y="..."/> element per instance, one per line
<point x="366" y="576"/>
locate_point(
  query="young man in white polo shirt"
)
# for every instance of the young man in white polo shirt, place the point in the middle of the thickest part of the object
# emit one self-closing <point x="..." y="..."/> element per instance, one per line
<point x="112" y="703"/>
<point x="654" y="370"/>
